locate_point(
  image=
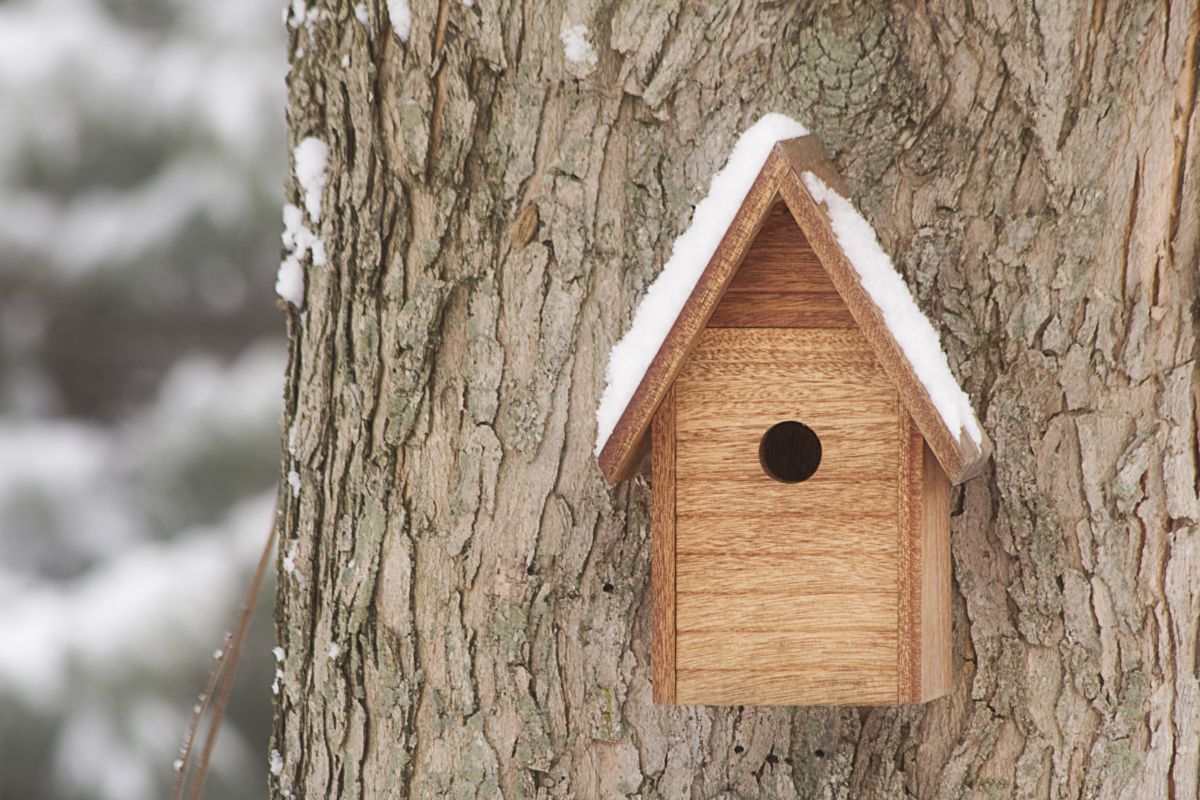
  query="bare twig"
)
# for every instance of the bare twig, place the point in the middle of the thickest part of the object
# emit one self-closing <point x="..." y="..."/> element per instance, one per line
<point x="220" y="682"/>
<point x="185" y="751"/>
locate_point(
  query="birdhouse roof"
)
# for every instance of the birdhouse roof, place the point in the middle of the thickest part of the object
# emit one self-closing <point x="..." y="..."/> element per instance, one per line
<point x="774" y="160"/>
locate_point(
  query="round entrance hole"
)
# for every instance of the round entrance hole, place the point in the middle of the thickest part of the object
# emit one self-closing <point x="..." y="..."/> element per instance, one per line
<point x="790" y="452"/>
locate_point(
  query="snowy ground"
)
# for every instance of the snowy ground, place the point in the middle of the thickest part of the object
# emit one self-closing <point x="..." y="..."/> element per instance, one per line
<point x="141" y="162"/>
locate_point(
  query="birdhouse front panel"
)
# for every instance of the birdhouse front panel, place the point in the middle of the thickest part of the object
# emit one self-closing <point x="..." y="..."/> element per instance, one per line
<point x="804" y="427"/>
<point x="787" y="531"/>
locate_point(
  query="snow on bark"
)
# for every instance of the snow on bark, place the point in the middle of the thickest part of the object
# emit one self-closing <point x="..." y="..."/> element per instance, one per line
<point x="289" y="282"/>
<point x="311" y="156"/>
<point x="401" y="17"/>
<point x="577" y="46"/>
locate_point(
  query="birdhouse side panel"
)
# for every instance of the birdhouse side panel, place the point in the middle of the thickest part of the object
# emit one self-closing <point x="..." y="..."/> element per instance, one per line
<point x="936" y="658"/>
<point x="924" y="660"/>
<point x="786" y="593"/>
<point x="662" y="557"/>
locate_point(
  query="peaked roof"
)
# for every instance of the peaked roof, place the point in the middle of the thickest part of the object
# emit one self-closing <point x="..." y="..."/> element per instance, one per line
<point x="798" y="172"/>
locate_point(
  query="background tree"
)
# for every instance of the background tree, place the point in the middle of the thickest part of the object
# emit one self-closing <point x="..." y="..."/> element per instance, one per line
<point x="464" y="606"/>
<point x="142" y="149"/>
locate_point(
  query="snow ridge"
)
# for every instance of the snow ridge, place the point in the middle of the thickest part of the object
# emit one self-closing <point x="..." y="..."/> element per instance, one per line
<point x="631" y="357"/>
<point x="909" y="327"/>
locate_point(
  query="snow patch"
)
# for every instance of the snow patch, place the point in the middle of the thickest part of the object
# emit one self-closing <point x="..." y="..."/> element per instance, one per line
<point x="311" y="156"/>
<point x="278" y="653"/>
<point x="276" y="763"/>
<point x="909" y="327"/>
<point x="631" y="357"/>
<point x="360" y="13"/>
<point x="289" y="282"/>
<point x="311" y="161"/>
<point x="298" y="241"/>
<point x="334" y="651"/>
<point x="401" y="18"/>
<point x="577" y="47"/>
<point x="293" y="479"/>
<point x="300" y="14"/>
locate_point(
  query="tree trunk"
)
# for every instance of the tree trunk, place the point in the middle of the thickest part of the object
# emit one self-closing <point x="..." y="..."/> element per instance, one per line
<point x="463" y="604"/>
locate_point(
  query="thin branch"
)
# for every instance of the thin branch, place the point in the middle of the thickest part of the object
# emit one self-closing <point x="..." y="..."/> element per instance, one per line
<point x="185" y="751"/>
<point x="224" y="671"/>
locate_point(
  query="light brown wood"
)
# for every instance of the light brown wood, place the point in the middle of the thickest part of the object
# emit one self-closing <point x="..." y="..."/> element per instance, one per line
<point x="794" y="584"/>
<point x="780" y="177"/>
<point x="809" y="612"/>
<point x="923" y="611"/>
<point x="781" y="283"/>
<point x="764" y="532"/>
<point x="780" y="573"/>
<point x="765" y="310"/>
<point x="909" y="562"/>
<point x="662" y="565"/>
<point x="800" y="653"/>
<point x="617" y="458"/>
<point x="782" y="688"/>
<point x="936" y="658"/>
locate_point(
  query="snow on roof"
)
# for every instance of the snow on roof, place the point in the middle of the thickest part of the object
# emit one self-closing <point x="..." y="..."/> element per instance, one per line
<point x="631" y="357"/>
<point x="909" y="327"/>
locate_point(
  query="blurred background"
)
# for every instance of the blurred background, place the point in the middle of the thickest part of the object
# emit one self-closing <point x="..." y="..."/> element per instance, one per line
<point x="141" y="361"/>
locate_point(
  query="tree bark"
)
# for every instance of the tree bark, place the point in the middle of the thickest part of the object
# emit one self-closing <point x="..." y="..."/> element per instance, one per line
<point x="464" y="606"/>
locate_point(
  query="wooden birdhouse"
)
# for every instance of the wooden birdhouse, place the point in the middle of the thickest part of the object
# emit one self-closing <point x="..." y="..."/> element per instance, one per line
<point x="805" y="429"/>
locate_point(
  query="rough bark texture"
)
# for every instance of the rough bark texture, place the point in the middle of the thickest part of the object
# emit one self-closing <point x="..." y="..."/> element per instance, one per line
<point x="464" y="606"/>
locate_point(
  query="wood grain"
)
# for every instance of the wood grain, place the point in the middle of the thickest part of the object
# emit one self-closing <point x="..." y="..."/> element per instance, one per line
<point x="936" y="657"/>
<point x="776" y="574"/>
<point x="872" y="652"/>
<point x="784" y="688"/>
<point x="794" y="533"/>
<point x="924" y="658"/>
<point x="909" y="563"/>
<point x="794" y="583"/>
<point x="739" y="382"/>
<point x="812" y="612"/>
<point x="781" y="283"/>
<point x="662" y="565"/>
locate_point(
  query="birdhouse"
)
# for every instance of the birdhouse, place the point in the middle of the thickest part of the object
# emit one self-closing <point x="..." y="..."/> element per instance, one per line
<point x="805" y="430"/>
